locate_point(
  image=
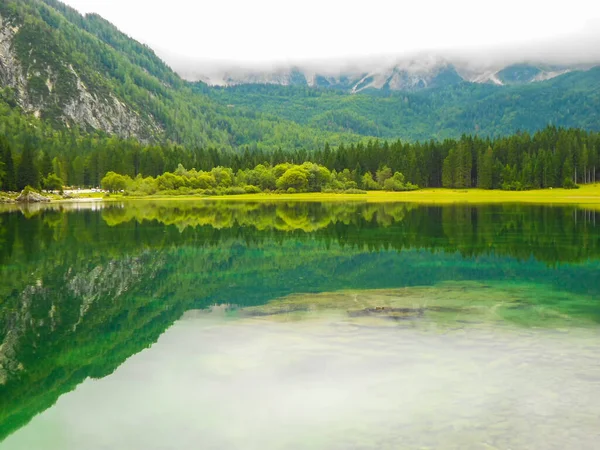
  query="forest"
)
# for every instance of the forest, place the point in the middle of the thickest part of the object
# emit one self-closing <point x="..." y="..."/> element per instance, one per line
<point x="181" y="121"/>
<point x="553" y="157"/>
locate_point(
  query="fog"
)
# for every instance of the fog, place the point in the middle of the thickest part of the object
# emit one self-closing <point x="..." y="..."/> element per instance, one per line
<point x="577" y="50"/>
<point x="200" y="39"/>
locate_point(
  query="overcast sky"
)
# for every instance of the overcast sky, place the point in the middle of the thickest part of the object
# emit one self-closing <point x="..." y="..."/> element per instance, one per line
<point x="253" y="32"/>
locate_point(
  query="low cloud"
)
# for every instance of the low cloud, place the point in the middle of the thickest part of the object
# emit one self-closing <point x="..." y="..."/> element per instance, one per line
<point x="580" y="49"/>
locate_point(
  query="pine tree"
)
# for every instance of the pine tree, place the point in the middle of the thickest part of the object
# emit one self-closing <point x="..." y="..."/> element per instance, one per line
<point x="46" y="165"/>
<point x="8" y="180"/>
<point x="464" y="164"/>
<point x="27" y="174"/>
<point x="486" y="170"/>
<point x="567" y="180"/>
<point x="449" y="170"/>
<point x="358" y="175"/>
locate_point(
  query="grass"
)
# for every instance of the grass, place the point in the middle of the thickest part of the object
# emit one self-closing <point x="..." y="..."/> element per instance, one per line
<point x="588" y="195"/>
<point x="585" y="195"/>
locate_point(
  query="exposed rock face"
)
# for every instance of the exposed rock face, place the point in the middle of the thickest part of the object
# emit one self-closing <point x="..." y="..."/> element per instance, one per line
<point x="31" y="197"/>
<point x="81" y="105"/>
<point x="10" y="69"/>
<point x="108" y="114"/>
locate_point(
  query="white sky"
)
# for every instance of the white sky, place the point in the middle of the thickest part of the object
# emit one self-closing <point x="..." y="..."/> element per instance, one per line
<point x="252" y="32"/>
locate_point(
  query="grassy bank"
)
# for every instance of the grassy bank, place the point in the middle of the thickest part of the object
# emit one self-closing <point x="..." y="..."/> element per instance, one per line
<point x="587" y="195"/>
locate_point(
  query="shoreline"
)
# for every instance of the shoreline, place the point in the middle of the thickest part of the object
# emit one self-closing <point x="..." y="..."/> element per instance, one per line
<point x="586" y="195"/>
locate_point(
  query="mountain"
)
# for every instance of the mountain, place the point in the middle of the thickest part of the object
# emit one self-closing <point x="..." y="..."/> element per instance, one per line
<point x="569" y="100"/>
<point x="412" y="74"/>
<point x="408" y="75"/>
<point x="52" y="80"/>
<point x="64" y="75"/>
<point x="80" y="71"/>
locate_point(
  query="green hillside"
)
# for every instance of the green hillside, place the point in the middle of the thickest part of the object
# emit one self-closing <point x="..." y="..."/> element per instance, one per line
<point x="71" y="70"/>
<point x="570" y="100"/>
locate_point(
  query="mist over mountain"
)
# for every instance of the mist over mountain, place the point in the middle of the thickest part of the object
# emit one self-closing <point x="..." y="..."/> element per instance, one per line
<point x="530" y="62"/>
<point x="423" y="70"/>
<point x="405" y="75"/>
<point x="68" y="70"/>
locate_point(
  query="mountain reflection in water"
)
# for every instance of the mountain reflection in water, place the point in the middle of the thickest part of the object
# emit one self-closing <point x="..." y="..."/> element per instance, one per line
<point x="81" y="291"/>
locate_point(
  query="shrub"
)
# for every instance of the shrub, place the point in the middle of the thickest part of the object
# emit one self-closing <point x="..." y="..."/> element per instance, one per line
<point x="52" y="183"/>
<point x="168" y="181"/>
<point x="114" y="182"/>
<point x="28" y="189"/>
<point x="251" y="189"/>
<point x="234" y="190"/>
<point x="369" y="183"/>
<point x="184" y="190"/>
<point x="396" y="183"/>
<point x="203" y="180"/>
<point x="295" y="177"/>
<point x="513" y="186"/>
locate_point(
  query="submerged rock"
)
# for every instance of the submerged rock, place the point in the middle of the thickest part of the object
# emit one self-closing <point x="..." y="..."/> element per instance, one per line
<point x="28" y="196"/>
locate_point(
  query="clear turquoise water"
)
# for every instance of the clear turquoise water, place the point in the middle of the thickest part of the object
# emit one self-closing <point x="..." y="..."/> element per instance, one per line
<point x="233" y="325"/>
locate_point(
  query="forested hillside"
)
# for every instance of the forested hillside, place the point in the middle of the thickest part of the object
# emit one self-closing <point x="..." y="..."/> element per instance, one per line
<point x="570" y="100"/>
<point x="70" y="70"/>
<point x="79" y="99"/>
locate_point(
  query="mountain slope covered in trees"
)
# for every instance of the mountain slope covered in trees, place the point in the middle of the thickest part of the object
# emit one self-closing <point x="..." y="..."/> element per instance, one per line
<point x="570" y="100"/>
<point x="79" y="98"/>
<point x="71" y="70"/>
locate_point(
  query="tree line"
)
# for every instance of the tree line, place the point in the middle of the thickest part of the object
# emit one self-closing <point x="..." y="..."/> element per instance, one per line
<point x="553" y="157"/>
<point x="285" y="177"/>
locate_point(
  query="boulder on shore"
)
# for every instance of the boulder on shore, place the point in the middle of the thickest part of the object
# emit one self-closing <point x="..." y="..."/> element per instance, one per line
<point x="6" y="200"/>
<point x="31" y="197"/>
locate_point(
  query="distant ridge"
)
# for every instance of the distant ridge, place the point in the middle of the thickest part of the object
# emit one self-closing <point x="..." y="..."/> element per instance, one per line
<point x="424" y="71"/>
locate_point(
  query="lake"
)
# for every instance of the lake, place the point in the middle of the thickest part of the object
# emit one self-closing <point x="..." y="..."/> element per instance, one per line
<point x="288" y="325"/>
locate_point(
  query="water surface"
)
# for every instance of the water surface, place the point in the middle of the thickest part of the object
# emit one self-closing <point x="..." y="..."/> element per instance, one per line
<point x="292" y="325"/>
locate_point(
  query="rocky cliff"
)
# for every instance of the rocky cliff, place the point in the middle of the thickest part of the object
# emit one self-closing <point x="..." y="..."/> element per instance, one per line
<point x="50" y="87"/>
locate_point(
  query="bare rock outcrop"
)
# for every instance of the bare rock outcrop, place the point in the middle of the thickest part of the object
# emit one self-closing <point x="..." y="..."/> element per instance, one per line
<point x="79" y="104"/>
<point x="28" y="196"/>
